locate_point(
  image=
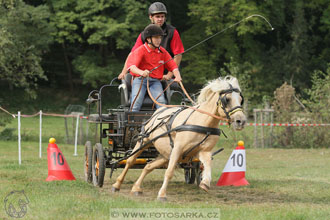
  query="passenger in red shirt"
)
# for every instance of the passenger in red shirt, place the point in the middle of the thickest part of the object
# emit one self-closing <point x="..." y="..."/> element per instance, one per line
<point x="145" y="58"/>
<point x="171" y="41"/>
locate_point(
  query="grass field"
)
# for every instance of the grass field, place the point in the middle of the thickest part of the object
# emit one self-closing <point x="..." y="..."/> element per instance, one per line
<point x="284" y="183"/>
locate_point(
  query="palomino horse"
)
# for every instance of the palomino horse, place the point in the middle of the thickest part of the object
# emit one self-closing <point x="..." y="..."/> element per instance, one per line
<point x="182" y="133"/>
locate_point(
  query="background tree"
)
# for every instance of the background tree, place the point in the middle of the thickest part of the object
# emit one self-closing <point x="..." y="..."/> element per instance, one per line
<point x="263" y="59"/>
<point x="93" y="35"/>
<point x="93" y="39"/>
<point x="24" y="37"/>
<point x="240" y="44"/>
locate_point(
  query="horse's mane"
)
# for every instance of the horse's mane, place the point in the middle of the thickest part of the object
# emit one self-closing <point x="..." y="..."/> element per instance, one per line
<point x="215" y="86"/>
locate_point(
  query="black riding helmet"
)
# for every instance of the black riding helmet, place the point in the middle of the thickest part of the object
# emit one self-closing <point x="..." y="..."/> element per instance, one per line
<point x="152" y="30"/>
<point x="157" y="8"/>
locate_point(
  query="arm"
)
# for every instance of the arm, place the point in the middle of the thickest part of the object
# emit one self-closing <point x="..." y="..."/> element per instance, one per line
<point x="177" y="75"/>
<point x="124" y="70"/>
<point x="177" y="59"/>
<point x="172" y="67"/>
<point x="177" y="48"/>
<point x="136" y="70"/>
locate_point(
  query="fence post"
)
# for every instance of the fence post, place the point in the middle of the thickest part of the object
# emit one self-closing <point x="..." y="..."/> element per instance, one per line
<point x="271" y="128"/>
<point x="19" y="139"/>
<point x="262" y="129"/>
<point x="40" y="133"/>
<point x="76" y="136"/>
<point x="255" y="128"/>
<point x="81" y="130"/>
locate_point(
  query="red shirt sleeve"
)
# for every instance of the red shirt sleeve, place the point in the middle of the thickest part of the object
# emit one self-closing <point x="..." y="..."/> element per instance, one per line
<point x="138" y="43"/>
<point x="135" y="59"/>
<point x="176" y="43"/>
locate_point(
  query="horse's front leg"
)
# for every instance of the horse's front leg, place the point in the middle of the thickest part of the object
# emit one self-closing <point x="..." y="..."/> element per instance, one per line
<point x="136" y="190"/>
<point x="206" y="157"/>
<point x="174" y="157"/>
<point x="130" y="161"/>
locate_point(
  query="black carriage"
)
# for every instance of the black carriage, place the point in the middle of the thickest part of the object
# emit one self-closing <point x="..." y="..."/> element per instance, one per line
<point x="119" y="127"/>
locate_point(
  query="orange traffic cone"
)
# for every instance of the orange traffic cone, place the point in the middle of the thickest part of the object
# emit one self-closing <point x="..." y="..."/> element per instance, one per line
<point x="58" y="168"/>
<point x="234" y="171"/>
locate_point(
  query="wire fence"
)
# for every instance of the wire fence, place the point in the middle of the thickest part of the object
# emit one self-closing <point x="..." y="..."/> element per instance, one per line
<point x="76" y="117"/>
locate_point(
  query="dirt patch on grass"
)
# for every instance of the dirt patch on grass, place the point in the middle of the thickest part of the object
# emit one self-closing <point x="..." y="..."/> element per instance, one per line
<point x="181" y="193"/>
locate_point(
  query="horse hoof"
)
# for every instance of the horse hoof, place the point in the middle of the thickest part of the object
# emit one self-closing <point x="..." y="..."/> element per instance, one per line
<point x="137" y="193"/>
<point x="204" y="187"/>
<point x="115" y="189"/>
<point x="162" y="199"/>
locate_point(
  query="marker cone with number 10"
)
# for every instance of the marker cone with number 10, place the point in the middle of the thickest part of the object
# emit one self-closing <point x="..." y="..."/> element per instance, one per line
<point x="234" y="171"/>
<point x="58" y="169"/>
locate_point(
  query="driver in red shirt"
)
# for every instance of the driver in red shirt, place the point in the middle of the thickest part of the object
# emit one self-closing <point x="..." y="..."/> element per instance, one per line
<point x="145" y="58"/>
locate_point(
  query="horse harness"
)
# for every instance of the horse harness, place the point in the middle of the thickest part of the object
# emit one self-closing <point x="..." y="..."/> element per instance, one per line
<point x="223" y="101"/>
<point x="183" y="127"/>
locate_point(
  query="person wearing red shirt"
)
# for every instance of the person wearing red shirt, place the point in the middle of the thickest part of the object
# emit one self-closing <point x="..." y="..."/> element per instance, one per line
<point x="171" y="40"/>
<point x="145" y="58"/>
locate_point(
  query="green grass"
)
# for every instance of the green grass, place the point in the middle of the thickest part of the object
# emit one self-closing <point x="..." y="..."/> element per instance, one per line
<point x="284" y="183"/>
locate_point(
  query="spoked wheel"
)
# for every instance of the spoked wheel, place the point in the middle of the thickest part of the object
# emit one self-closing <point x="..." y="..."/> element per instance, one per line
<point x="199" y="172"/>
<point x="98" y="165"/>
<point x="88" y="162"/>
<point x="190" y="175"/>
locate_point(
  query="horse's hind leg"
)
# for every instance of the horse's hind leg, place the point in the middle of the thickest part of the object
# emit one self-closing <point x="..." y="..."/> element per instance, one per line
<point x="205" y="158"/>
<point x="130" y="161"/>
<point x="147" y="169"/>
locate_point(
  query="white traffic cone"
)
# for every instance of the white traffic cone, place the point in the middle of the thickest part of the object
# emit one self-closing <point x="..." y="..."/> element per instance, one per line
<point x="234" y="171"/>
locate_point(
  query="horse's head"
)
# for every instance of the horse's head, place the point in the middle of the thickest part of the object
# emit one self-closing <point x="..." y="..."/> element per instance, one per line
<point x="229" y="99"/>
<point x="230" y="102"/>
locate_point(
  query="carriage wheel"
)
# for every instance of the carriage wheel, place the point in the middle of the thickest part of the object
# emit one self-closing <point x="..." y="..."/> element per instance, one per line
<point x="190" y="175"/>
<point x="98" y="165"/>
<point x="88" y="162"/>
<point x="199" y="173"/>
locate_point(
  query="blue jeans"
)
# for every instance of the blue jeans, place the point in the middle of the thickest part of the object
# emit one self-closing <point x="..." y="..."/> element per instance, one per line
<point x="155" y="89"/>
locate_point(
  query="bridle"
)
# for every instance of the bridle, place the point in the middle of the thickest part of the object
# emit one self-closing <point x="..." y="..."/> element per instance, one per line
<point x="223" y="101"/>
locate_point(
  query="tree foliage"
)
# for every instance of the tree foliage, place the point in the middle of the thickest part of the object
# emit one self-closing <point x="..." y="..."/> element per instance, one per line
<point x="319" y="95"/>
<point x="24" y="36"/>
<point x="93" y="39"/>
<point x="265" y="58"/>
<point x="100" y="29"/>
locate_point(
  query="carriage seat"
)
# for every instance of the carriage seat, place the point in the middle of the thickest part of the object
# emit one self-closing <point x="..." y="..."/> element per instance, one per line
<point x="126" y="91"/>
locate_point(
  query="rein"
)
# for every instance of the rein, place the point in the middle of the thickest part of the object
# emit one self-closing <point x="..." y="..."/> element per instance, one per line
<point x="191" y="107"/>
<point x="163" y="92"/>
<point x="137" y="94"/>
<point x="183" y="89"/>
<point x="186" y="93"/>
